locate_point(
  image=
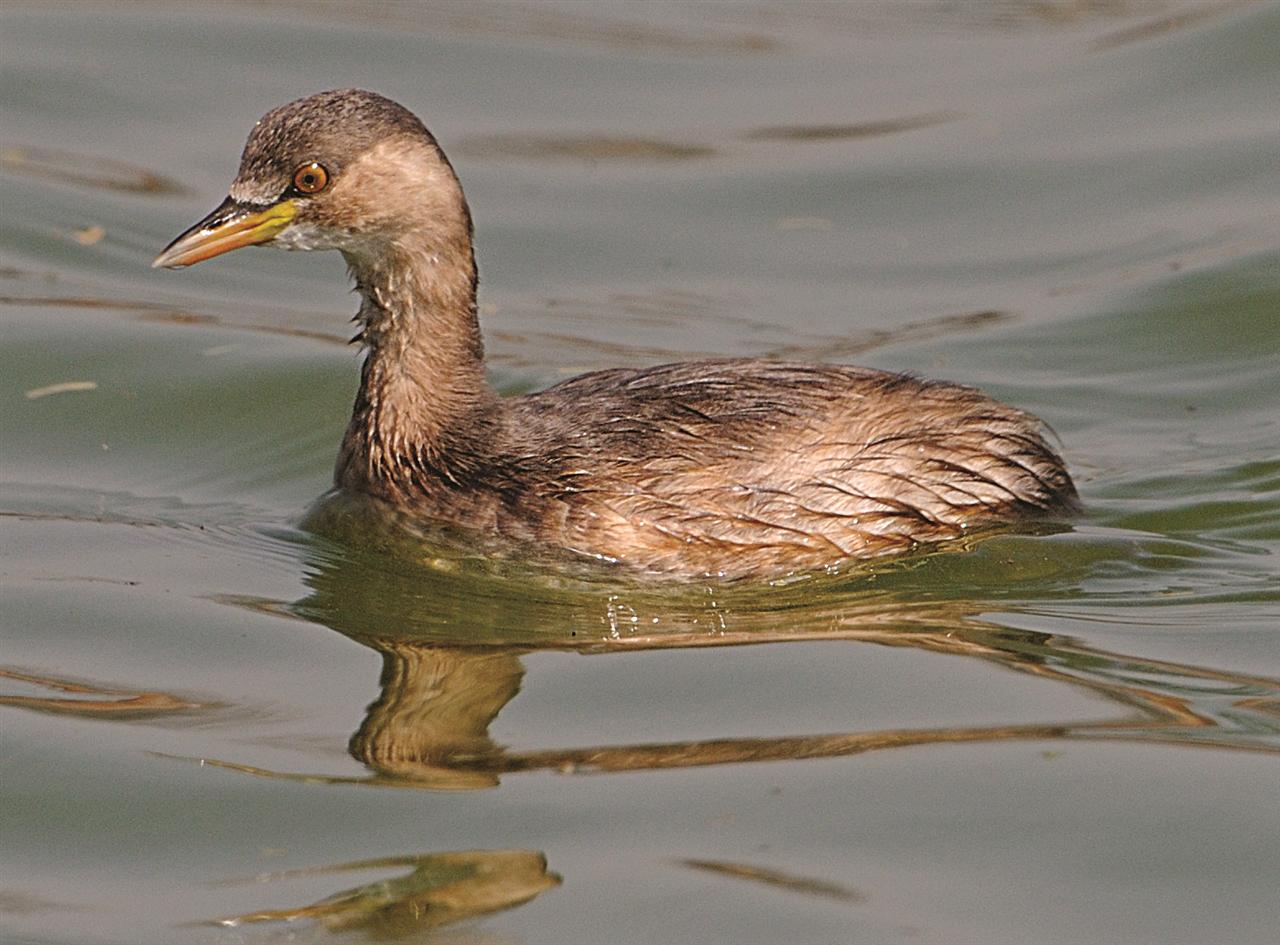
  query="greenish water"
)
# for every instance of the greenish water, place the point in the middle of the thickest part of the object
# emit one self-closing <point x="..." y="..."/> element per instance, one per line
<point x="328" y="732"/>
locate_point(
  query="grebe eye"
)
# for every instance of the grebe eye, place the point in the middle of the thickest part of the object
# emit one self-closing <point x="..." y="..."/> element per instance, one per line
<point x="310" y="178"/>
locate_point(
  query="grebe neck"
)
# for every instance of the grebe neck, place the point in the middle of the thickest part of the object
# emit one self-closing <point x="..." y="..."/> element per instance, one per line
<point x="423" y="399"/>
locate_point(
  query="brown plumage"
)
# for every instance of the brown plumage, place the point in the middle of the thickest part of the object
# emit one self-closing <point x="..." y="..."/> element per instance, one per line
<point x="734" y="467"/>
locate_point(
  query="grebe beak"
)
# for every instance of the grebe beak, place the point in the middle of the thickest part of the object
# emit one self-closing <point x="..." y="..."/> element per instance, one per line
<point x="230" y="226"/>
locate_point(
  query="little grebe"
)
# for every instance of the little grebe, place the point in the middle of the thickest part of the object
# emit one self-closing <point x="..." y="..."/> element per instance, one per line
<point x="733" y="467"/>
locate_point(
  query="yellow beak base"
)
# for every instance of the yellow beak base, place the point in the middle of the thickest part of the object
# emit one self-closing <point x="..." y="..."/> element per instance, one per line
<point x="229" y="227"/>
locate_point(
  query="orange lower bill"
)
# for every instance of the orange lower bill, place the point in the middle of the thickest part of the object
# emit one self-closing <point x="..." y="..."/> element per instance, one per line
<point x="229" y="227"/>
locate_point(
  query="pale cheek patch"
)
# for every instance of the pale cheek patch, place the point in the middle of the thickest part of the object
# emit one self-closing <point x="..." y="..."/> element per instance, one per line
<point x="304" y="236"/>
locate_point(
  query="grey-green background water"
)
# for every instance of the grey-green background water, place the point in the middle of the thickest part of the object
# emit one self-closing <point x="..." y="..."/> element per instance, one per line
<point x="210" y="711"/>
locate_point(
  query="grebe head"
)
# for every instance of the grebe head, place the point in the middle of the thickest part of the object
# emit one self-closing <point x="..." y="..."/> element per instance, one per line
<point x="346" y="170"/>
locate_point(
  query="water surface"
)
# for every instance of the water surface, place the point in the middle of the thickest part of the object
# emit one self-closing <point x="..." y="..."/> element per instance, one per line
<point x="226" y="722"/>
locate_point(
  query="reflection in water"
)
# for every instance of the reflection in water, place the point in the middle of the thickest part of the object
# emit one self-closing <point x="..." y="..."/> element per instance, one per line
<point x="16" y="903"/>
<point x="528" y="348"/>
<point x="90" y="701"/>
<point x="440" y="889"/>
<point x="580" y="24"/>
<point x="595" y="148"/>
<point x="669" y="308"/>
<point x="864" y="129"/>
<point x="787" y="881"/>
<point x="1161" y="25"/>
<point x="431" y="723"/>
<point x="451" y="636"/>
<point x="428" y="729"/>
<point x="167" y="314"/>
<point x="582" y="148"/>
<point x="86" y="170"/>
<point x="452" y="624"/>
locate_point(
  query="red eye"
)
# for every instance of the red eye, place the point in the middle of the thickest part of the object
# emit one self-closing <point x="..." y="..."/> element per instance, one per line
<point x="310" y="178"/>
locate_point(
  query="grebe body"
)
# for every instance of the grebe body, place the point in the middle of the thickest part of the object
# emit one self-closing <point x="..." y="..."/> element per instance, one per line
<point x="731" y="467"/>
